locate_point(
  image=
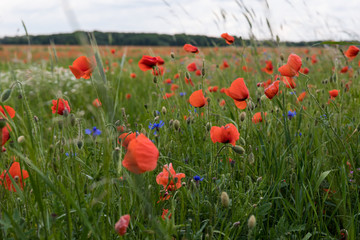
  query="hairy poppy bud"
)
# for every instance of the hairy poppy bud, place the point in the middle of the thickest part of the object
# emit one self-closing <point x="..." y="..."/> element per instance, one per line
<point x="252" y="222"/>
<point x="72" y="119"/>
<point x="171" y="122"/>
<point x="79" y="144"/>
<point x="117" y="123"/>
<point x="163" y="110"/>
<point x="176" y="124"/>
<point x="238" y="149"/>
<point x="225" y="201"/>
<point x="187" y="75"/>
<point x="21" y="139"/>
<point x="281" y="57"/>
<point x="172" y="55"/>
<point x="36" y="119"/>
<point x="251" y="158"/>
<point x="251" y="105"/>
<point x="5" y="95"/>
<point x="155" y="79"/>
<point x="242" y="116"/>
<point x="156" y="118"/>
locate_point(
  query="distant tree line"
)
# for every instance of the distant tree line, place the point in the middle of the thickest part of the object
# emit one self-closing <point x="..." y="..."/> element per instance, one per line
<point x="139" y="39"/>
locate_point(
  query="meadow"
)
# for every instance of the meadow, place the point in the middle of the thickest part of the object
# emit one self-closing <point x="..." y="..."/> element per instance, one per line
<point x="80" y="154"/>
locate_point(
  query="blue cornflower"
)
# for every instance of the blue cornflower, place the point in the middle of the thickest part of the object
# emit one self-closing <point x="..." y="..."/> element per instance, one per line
<point x="291" y="114"/>
<point x="292" y="92"/>
<point x="182" y="94"/>
<point x="198" y="178"/>
<point x="72" y="154"/>
<point x="94" y="131"/>
<point x="156" y="126"/>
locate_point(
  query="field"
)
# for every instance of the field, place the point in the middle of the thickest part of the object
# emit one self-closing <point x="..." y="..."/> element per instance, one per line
<point x="281" y="168"/>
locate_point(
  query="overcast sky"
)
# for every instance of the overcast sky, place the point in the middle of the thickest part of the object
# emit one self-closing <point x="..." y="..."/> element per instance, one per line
<point x="291" y="20"/>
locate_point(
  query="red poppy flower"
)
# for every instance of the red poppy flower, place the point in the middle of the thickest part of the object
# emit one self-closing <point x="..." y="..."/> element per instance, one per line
<point x="112" y="51"/>
<point x="229" y="39"/>
<point x="83" y="67"/>
<point x="141" y="155"/>
<point x="174" y="87"/>
<point x="304" y="70"/>
<point x="222" y="103"/>
<point x="63" y="104"/>
<point x="168" y="95"/>
<point x="188" y="80"/>
<point x="272" y="90"/>
<point x="213" y="89"/>
<point x="238" y="90"/>
<point x="191" y="67"/>
<point x="269" y="69"/>
<point x="344" y="69"/>
<point x="176" y="76"/>
<point x="132" y="75"/>
<point x="170" y="180"/>
<point x="198" y="73"/>
<point x="128" y="96"/>
<point x="125" y="138"/>
<point x="265" y="84"/>
<point x="10" y="111"/>
<point x="96" y="103"/>
<point x="258" y="117"/>
<point x="292" y="67"/>
<point x="223" y="90"/>
<point x="167" y="81"/>
<point x="314" y="59"/>
<point x="224" y="65"/>
<point x="225" y="134"/>
<point x="190" y="48"/>
<point x="197" y="99"/>
<point x="122" y="225"/>
<point x="351" y="52"/>
<point x="165" y="214"/>
<point x="147" y="62"/>
<point x="289" y="82"/>
<point x="17" y="174"/>
<point x="301" y="97"/>
<point x="334" y="93"/>
<point x="160" y="61"/>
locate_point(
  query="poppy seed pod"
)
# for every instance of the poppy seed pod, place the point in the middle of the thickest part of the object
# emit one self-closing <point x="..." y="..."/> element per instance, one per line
<point x="252" y="222"/>
<point x="238" y="149"/>
<point x="5" y="95"/>
<point x="176" y="124"/>
<point x="225" y="201"/>
<point x="242" y="116"/>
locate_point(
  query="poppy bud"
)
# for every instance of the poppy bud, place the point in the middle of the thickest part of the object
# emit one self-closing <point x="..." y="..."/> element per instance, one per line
<point x="116" y="154"/>
<point x="36" y="119"/>
<point x="155" y="79"/>
<point x="156" y="118"/>
<point x="187" y="75"/>
<point x="251" y="105"/>
<point x="251" y="158"/>
<point x="188" y="120"/>
<point x="72" y="119"/>
<point x="65" y="112"/>
<point x="171" y="122"/>
<point x="79" y="144"/>
<point x="172" y="55"/>
<point x="281" y="57"/>
<point x="117" y="123"/>
<point x="236" y="224"/>
<point x="145" y="106"/>
<point x="208" y="126"/>
<point x="225" y="201"/>
<point x="2" y="123"/>
<point x="5" y="95"/>
<point x="242" y="141"/>
<point x="252" y="222"/>
<point x="238" y="149"/>
<point x="20" y="96"/>
<point x="21" y="139"/>
<point x="163" y="110"/>
<point x="176" y="124"/>
<point x="242" y="116"/>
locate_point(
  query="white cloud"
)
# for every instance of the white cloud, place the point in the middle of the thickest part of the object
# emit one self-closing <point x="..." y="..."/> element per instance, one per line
<point x="290" y="20"/>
